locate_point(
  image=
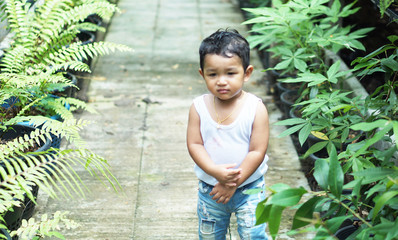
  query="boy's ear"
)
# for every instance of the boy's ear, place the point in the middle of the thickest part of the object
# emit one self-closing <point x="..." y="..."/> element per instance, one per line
<point x="248" y="72"/>
<point x="201" y="72"/>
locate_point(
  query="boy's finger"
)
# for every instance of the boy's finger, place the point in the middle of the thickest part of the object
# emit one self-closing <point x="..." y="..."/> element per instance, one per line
<point x="234" y="171"/>
<point x="231" y="184"/>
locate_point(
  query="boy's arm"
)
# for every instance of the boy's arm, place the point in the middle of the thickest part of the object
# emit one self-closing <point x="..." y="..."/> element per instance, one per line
<point x="223" y="173"/>
<point x="258" y="144"/>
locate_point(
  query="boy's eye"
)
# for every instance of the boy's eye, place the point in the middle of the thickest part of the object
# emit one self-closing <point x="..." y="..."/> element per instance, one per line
<point x="231" y="73"/>
<point x="211" y="74"/>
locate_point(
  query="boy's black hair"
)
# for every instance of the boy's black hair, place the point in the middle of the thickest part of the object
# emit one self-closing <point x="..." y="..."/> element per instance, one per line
<point x="226" y="43"/>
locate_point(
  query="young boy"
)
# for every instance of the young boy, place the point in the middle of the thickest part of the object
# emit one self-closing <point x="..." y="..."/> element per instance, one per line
<point x="227" y="137"/>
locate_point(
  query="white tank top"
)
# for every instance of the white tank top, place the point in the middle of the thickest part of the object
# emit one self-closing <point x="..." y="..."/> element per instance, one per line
<point x="228" y="143"/>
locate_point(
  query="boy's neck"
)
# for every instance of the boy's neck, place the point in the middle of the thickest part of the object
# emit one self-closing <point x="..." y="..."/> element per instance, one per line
<point x="232" y="100"/>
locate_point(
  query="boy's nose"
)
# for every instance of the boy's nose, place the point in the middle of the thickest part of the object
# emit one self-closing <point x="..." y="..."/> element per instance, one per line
<point x="221" y="81"/>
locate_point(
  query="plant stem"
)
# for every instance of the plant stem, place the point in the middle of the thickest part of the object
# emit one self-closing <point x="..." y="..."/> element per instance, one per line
<point x="391" y="88"/>
<point x="349" y="209"/>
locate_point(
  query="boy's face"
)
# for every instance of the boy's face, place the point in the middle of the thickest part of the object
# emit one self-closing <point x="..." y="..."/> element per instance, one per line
<point x="224" y="76"/>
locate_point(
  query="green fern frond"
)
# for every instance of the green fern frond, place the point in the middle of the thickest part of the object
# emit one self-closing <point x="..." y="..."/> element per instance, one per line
<point x="78" y="52"/>
<point x="77" y="66"/>
<point x="88" y="26"/>
<point x="54" y="172"/>
<point x="18" y="145"/>
<point x="75" y="104"/>
<point x="28" y="107"/>
<point x="17" y="16"/>
<point x="14" y="60"/>
<point x="69" y="129"/>
<point x="54" y="106"/>
<point x="3" y="15"/>
<point x="45" y="227"/>
<point x="102" y="8"/>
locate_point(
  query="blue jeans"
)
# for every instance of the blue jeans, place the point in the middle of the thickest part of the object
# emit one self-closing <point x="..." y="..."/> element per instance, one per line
<point x="214" y="217"/>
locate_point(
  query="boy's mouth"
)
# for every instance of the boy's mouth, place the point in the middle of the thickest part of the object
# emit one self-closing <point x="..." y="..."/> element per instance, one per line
<point x="222" y="91"/>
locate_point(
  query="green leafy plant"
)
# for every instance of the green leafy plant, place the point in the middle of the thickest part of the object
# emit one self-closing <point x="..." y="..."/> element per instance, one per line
<point x="44" y="47"/>
<point x="370" y="197"/>
<point x="385" y="4"/>
<point x="299" y="31"/>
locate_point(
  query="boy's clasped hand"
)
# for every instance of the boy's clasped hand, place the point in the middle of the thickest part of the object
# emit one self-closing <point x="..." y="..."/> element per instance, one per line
<point x="227" y="183"/>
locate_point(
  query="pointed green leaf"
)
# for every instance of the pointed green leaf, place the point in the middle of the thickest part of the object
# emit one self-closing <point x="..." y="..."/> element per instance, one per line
<point x="315" y="148"/>
<point x="368" y="126"/>
<point x="381" y="201"/>
<point x="300" y="64"/>
<point x="303" y="215"/>
<point x="291" y="130"/>
<point x="273" y="226"/>
<point x="288" y="197"/>
<point x="336" y="175"/>
<point x="291" y="121"/>
<point x="370" y="175"/>
<point x="395" y="128"/>
<point x="283" y="64"/>
<point x="321" y="173"/>
<point x="262" y="212"/>
<point x="333" y="69"/>
<point x="334" y="223"/>
<point x="304" y="133"/>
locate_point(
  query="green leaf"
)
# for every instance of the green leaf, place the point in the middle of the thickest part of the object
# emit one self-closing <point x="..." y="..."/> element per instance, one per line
<point x="336" y="175"/>
<point x="381" y="201"/>
<point x="279" y="187"/>
<point x="333" y="69"/>
<point x="273" y="226"/>
<point x="288" y="197"/>
<point x="377" y="137"/>
<point x="253" y="191"/>
<point x="392" y="38"/>
<point x="262" y="212"/>
<point x="334" y="223"/>
<point x="390" y="63"/>
<point x="321" y="173"/>
<point x="304" y="133"/>
<point x="395" y="128"/>
<point x="291" y="130"/>
<point x="365" y="126"/>
<point x="300" y="64"/>
<point x="316" y="148"/>
<point x="291" y="121"/>
<point x="303" y="215"/>
<point x="283" y="64"/>
<point x="370" y="175"/>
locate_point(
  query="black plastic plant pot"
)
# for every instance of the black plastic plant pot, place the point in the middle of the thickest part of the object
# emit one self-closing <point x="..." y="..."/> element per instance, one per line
<point x="346" y="229"/>
<point x="86" y="37"/>
<point x="29" y="204"/>
<point x="287" y="100"/>
<point x="14" y="217"/>
<point x="95" y="19"/>
<point x="20" y="130"/>
<point x="67" y="91"/>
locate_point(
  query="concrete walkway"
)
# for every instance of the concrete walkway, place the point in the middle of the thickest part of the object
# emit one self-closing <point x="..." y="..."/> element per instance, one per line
<point x="143" y="101"/>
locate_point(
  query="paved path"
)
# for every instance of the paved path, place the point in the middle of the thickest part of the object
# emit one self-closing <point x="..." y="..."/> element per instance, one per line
<point x="143" y="101"/>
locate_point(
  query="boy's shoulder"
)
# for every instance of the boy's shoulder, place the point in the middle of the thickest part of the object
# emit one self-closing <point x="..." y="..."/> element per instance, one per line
<point x="253" y="97"/>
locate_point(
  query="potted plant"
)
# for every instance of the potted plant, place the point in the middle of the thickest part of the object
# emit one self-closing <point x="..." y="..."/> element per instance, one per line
<point x="35" y="65"/>
<point x="298" y="33"/>
<point x="371" y="162"/>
